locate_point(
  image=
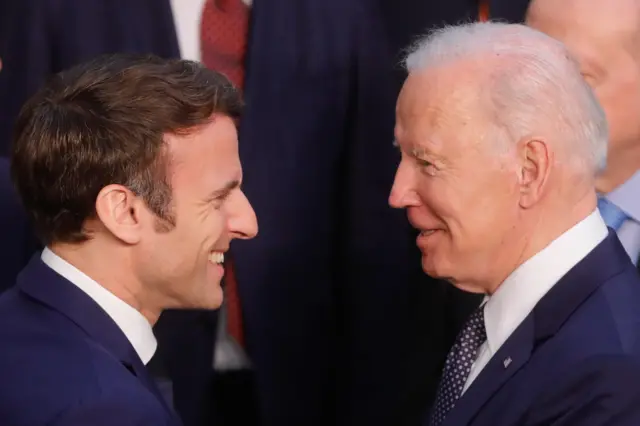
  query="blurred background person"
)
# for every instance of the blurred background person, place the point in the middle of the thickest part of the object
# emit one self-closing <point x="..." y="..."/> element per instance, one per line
<point x="604" y="36"/>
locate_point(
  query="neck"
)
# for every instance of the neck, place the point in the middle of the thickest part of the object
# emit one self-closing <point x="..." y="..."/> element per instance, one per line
<point x="550" y="222"/>
<point x="98" y="264"/>
<point x="621" y="166"/>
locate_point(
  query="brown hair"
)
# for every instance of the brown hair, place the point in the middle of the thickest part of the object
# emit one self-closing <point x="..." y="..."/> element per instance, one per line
<point x="103" y="122"/>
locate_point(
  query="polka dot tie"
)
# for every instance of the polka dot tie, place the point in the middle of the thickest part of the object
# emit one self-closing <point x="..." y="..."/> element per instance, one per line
<point x="458" y="365"/>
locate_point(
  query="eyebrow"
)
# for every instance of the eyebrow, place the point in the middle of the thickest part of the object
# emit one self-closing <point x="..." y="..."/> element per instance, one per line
<point x="416" y="152"/>
<point x="229" y="186"/>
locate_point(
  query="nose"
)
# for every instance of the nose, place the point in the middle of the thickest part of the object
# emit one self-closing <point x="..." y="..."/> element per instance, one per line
<point x="243" y="223"/>
<point x="403" y="192"/>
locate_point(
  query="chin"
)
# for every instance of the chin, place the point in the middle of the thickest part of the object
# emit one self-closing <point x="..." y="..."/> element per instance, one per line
<point x="430" y="268"/>
<point x="213" y="300"/>
<point x="468" y="288"/>
<point x="209" y="299"/>
<point x="446" y="274"/>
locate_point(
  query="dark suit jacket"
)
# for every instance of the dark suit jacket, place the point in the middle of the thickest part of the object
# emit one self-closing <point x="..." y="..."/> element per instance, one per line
<point x="18" y="241"/>
<point x="40" y="38"/>
<point x="65" y="362"/>
<point x="508" y="10"/>
<point x="575" y="360"/>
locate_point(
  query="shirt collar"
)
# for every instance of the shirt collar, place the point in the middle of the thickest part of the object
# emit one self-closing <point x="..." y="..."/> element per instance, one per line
<point x="132" y="323"/>
<point x="505" y="310"/>
<point x="627" y="197"/>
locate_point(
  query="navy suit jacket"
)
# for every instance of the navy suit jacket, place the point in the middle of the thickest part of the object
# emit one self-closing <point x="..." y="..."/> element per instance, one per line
<point x="41" y="38"/>
<point x="575" y="360"/>
<point x="18" y="240"/>
<point x="65" y="362"/>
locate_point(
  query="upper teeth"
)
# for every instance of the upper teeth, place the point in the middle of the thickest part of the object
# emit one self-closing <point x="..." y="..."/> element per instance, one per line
<point x="216" y="257"/>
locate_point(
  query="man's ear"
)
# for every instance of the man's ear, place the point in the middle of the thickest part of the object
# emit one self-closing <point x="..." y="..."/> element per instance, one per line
<point x="535" y="159"/>
<point x="119" y="211"/>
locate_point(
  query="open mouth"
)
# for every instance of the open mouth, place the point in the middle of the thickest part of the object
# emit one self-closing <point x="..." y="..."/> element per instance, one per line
<point x="216" y="257"/>
<point x="427" y="232"/>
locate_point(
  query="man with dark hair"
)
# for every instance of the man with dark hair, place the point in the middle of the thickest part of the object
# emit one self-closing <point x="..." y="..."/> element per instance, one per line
<point x="128" y="166"/>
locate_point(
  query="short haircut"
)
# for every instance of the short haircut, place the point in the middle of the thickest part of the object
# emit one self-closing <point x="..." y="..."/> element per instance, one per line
<point x="533" y="85"/>
<point x="104" y="122"/>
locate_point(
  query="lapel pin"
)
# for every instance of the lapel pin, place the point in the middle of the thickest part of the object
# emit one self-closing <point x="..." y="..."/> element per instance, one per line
<point x="506" y="362"/>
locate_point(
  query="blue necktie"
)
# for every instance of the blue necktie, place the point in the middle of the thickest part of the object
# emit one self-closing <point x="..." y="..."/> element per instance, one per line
<point x="612" y="215"/>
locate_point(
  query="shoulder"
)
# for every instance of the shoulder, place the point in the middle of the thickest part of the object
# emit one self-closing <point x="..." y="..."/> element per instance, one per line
<point x="598" y="390"/>
<point x="46" y="358"/>
<point x="118" y="406"/>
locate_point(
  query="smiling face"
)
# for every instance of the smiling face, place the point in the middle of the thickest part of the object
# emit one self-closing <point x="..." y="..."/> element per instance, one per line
<point x="460" y="192"/>
<point x="182" y="265"/>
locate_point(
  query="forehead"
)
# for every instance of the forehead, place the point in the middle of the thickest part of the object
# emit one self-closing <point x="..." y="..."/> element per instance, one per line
<point x="591" y="29"/>
<point x="207" y="158"/>
<point x="438" y="102"/>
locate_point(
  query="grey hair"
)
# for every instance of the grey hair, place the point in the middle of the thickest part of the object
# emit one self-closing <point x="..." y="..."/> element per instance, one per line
<point x="537" y="85"/>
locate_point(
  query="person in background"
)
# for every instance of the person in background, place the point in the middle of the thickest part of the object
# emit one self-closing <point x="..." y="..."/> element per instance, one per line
<point x="604" y="36"/>
<point x="128" y="167"/>
<point x="502" y="141"/>
<point x="18" y="231"/>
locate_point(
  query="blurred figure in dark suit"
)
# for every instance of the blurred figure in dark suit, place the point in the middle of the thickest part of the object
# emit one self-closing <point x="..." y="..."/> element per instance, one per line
<point x="19" y="242"/>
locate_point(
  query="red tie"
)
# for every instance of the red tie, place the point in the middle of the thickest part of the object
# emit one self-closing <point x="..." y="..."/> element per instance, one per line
<point x="223" y="33"/>
<point x="223" y="36"/>
<point x="483" y="10"/>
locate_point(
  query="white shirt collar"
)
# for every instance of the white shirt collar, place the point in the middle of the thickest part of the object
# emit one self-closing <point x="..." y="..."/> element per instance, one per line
<point x="505" y="310"/>
<point x="132" y="323"/>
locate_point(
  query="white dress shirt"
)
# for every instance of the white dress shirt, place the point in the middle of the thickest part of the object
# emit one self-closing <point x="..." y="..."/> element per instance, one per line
<point x="133" y="324"/>
<point x="514" y="300"/>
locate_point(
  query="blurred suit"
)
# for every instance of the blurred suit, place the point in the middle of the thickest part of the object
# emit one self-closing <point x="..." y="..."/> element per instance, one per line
<point x="40" y="38"/>
<point x="18" y="240"/>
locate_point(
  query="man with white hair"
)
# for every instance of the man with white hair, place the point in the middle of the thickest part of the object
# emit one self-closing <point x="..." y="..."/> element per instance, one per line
<point x="501" y="142"/>
<point x="604" y="36"/>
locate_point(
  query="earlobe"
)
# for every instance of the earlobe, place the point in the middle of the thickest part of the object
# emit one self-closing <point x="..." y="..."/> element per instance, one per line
<point x="117" y="209"/>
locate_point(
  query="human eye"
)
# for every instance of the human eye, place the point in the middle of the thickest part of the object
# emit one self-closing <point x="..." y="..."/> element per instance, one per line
<point x="423" y="163"/>
<point x="218" y="202"/>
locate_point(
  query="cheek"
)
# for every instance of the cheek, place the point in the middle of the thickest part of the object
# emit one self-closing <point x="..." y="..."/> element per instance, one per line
<point x="621" y="103"/>
<point x="214" y="225"/>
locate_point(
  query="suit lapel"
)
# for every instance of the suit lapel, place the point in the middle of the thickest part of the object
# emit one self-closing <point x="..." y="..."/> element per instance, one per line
<point x="548" y="316"/>
<point x="41" y="283"/>
<point x="503" y="365"/>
